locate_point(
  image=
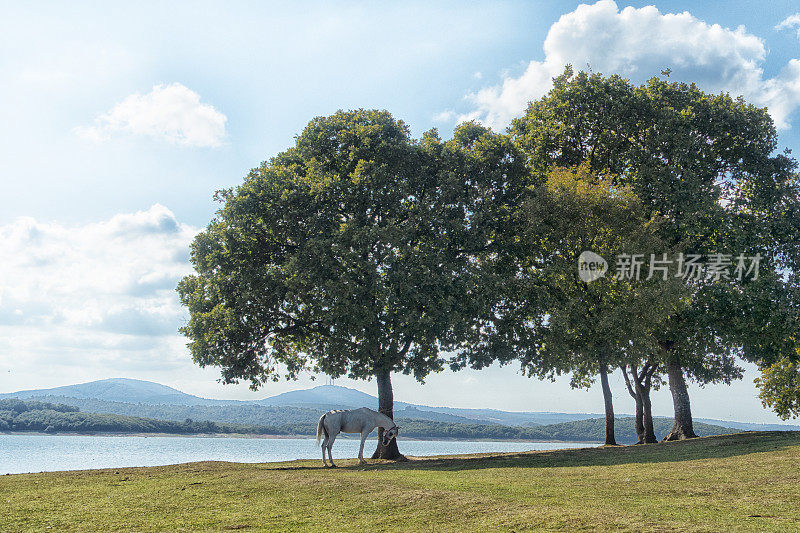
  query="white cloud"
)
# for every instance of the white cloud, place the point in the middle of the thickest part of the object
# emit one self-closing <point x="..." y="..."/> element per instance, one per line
<point x="99" y="295"/>
<point x="172" y="113"/>
<point x="790" y="22"/>
<point x="639" y="43"/>
<point x="448" y="115"/>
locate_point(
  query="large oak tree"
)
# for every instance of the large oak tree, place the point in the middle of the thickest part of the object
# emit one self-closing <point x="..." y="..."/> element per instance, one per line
<point x="351" y="253"/>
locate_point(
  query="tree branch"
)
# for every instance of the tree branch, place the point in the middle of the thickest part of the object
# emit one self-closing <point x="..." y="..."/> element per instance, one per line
<point x="402" y="353"/>
<point x="627" y="381"/>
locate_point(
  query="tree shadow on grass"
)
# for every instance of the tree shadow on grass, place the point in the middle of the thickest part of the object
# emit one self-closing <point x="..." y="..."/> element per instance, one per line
<point x="716" y="447"/>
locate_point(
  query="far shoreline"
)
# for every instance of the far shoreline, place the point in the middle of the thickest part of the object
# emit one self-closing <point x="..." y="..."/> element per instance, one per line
<point x="268" y="436"/>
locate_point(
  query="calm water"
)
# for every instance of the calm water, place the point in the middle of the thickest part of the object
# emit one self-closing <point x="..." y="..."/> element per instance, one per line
<point x="43" y="453"/>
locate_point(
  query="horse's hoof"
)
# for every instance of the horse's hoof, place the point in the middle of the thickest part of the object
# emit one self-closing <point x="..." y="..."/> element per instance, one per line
<point x="333" y="466"/>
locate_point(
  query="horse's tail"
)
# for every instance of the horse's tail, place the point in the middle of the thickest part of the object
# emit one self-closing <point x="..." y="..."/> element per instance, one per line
<point x="321" y="428"/>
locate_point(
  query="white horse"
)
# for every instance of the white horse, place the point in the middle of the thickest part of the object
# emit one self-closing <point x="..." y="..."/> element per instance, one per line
<point x="361" y="420"/>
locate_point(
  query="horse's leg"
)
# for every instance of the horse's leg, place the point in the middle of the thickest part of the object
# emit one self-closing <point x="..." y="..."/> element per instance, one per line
<point x="364" y="435"/>
<point x="331" y="438"/>
<point x="324" y="445"/>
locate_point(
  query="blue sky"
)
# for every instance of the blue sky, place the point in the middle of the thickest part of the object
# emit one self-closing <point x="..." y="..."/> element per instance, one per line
<point x="118" y="121"/>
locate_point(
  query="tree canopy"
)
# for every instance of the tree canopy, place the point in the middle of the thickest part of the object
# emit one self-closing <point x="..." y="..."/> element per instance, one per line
<point x="592" y="324"/>
<point x="707" y="166"/>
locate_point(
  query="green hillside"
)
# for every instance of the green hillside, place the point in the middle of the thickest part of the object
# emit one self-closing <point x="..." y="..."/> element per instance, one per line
<point x="250" y="414"/>
<point x="591" y="430"/>
<point x="22" y="416"/>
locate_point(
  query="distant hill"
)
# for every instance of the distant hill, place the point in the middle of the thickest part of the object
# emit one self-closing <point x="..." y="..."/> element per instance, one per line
<point x="132" y="397"/>
<point x="749" y="426"/>
<point x="335" y="397"/>
<point x="591" y="430"/>
<point x="515" y="418"/>
<point x="250" y="414"/>
<point x="594" y="429"/>
<point x="321" y="398"/>
<point x="120" y="390"/>
<point x="33" y="416"/>
<point x="325" y="396"/>
<point x="240" y="413"/>
<point x="25" y="415"/>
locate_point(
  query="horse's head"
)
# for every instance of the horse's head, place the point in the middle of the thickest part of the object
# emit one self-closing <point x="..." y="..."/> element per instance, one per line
<point x="389" y="434"/>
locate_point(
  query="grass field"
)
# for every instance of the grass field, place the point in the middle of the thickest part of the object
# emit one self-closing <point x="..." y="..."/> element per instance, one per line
<point x="744" y="482"/>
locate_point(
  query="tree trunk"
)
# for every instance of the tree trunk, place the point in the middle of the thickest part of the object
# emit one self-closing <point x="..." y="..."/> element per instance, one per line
<point x="647" y="409"/>
<point x="683" y="427"/>
<point x="639" y="384"/>
<point x="639" y="422"/>
<point x="609" y="405"/>
<point x="633" y="390"/>
<point x="386" y="406"/>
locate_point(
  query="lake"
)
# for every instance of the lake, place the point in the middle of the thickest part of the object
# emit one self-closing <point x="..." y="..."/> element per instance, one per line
<point x="48" y="453"/>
